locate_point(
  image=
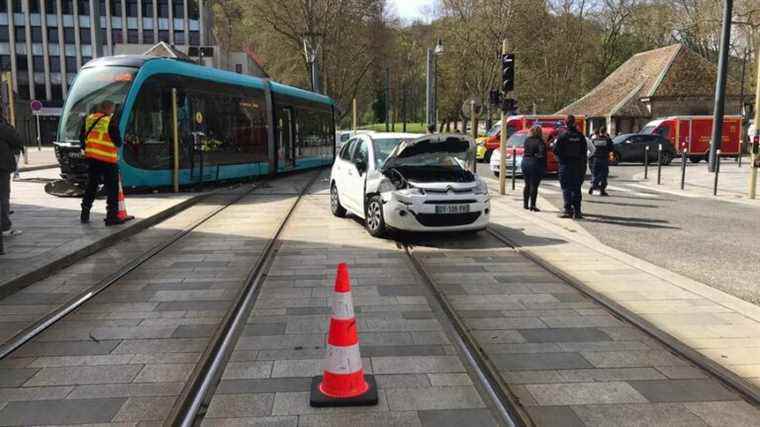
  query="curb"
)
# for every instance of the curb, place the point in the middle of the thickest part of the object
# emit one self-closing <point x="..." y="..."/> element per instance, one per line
<point x="20" y="282"/>
<point x="671" y="342"/>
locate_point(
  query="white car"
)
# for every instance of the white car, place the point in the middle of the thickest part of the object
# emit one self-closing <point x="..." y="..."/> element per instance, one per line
<point x="410" y="182"/>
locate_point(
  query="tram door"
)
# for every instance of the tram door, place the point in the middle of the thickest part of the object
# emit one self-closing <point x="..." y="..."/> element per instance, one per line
<point x="286" y="139"/>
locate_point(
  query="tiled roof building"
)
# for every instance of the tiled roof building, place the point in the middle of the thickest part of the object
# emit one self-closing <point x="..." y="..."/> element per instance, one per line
<point x="671" y="80"/>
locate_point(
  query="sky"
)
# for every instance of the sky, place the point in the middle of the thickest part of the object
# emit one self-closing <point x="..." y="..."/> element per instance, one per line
<point x="410" y="9"/>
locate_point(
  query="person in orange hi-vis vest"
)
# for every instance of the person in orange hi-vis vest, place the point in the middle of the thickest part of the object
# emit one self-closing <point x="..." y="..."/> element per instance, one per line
<point x="100" y="140"/>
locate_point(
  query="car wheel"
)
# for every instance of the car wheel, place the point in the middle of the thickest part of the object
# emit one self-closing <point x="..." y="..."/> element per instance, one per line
<point x="335" y="207"/>
<point x="374" y="221"/>
<point x="695" y="159"/>
<point x="666" y="158"/>
<point x="487" y="157"/>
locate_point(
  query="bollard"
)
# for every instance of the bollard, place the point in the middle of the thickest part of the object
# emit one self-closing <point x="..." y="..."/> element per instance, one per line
<point x="717" y="172"/>
<point x="683" y="169"/>
<point x="514" y="167"/>
<point x="646" y="162"/>
<point x="741" y="152"/>
<point x="659" y="163"/>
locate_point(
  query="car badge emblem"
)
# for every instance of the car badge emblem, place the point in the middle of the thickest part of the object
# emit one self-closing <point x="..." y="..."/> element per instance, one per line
<point x="449" y="189"/>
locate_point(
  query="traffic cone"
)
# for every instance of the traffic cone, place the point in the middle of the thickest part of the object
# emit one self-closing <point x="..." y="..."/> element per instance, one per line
<point x="343" y="382"/>
<point x="122" y="214"/>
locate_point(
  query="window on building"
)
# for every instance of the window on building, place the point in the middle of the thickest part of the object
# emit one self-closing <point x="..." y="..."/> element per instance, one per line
<point x="179" y="37"/>
<point x="86" y="59"/>
<point x="131" y="7"/>
<point x="239" y="68"/>
<point x="23" y="91"/>
<point x="50" y="7"/>
<point x="34" y="6"/>
<point x="148" y="37"/>
<point x="3" y="7"/>
<point x="38" y="62"/>
<point x="179" y="9"/>
<point x="83" y="7"/>
<point x="163" y="36"/>
<point x="192" y="10"/>
<point x="39" y="92"/>
<point x="21" y="63"/>
<point x="36" y="35"/>
<point x="71" y="64"/>
<point x="195" y="38"/>
<point x="20" y="34"/>
<point x="52" y="33"/>
<point x="17" y="6"/>
<point x="55" y="64"/>
<point x="163" y="8"/>
<point x="57" y="91"/>
<point x="147" y="9"/>
<point x="85" y="36"/>
<point x="5" y="62"/>
<point x="67" y="8"/>
<point x="68" y="35"/>
<point x="115" y="7"/>
<point x="133" y="36"/>
<point x="4" y="37"/>
<point x="102" y="7"/>
<point x="117" y="36"/>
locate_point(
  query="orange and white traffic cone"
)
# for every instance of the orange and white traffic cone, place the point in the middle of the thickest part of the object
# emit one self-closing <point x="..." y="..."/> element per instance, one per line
<point x="122" y="214"/>
<point x="343" y="382"/>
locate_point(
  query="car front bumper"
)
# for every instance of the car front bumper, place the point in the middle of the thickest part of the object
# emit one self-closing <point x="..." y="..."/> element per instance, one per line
<point x="419" y="213"/>
<point x="495" y="165"/>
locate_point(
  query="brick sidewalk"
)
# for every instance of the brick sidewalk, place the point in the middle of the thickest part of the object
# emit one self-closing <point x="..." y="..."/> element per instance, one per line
<point x="50" y="225"/>
<point x="719" y="329"/>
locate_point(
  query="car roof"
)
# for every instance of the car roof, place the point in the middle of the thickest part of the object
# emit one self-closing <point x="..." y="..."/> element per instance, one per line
<point x="393" y="135"/>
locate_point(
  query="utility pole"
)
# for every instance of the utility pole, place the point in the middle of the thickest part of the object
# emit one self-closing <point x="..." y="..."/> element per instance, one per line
<point x="353" y="115"/>
<point x="429" y="108"/>
<point x="720" y="84"/>
<point x="755" y="138"/>
<point x="387" y="99"/>
<point x="474" y="130"/>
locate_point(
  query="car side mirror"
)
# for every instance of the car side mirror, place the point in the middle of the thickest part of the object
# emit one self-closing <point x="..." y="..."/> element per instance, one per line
<point x="361" y="166"/>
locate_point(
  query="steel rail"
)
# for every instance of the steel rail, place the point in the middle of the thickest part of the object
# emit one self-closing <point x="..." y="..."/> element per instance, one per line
<point x="505" y="403"/>
<point x="28" y="333"/>
<point x="199" y="389"/>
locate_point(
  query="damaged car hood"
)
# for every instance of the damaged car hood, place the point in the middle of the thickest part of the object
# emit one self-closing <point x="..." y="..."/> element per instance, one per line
<point x="460" y="146"/>
<point x="432" y="159"/>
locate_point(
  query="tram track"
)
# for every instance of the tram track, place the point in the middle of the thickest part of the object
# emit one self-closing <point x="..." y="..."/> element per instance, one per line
<point x="36" y="328"/>
<point x="190" y="407"/>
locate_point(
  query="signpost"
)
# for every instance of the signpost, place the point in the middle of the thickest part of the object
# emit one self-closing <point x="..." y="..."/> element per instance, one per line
<point x="36" y="108"/>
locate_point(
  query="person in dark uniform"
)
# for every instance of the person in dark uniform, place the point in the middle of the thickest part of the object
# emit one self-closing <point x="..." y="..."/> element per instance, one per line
<point x="11" y="145"/>
<point x="570" y="148"/>
<point x="533" y="167"/>
<point x="100" y="140"/>
<point x="600" y="162"/>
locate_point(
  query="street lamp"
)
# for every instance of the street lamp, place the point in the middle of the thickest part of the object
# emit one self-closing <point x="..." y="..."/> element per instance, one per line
<point x="311" y="52"/>
<point x="432" y="82"/>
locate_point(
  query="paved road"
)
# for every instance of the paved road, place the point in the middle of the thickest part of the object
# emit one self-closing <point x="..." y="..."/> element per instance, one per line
<point x="710" y="241"/>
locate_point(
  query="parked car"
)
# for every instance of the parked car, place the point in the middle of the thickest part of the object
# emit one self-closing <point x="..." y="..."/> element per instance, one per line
<point x="630" y="147"/>
<point x="410" y="182"/>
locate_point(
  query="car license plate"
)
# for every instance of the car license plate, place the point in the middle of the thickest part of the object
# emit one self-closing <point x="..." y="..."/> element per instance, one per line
<point x="452" y="209"/>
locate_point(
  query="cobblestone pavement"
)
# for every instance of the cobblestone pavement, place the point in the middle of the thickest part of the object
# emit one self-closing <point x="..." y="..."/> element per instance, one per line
<point x="124" y="356"/>
<point x="50" y="224"/>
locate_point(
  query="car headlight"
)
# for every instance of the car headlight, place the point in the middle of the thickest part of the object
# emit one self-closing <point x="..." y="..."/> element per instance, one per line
<point x="481" y="188"/>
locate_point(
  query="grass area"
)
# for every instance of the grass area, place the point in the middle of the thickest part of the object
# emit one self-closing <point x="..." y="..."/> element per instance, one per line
<point x="410" y="127"/>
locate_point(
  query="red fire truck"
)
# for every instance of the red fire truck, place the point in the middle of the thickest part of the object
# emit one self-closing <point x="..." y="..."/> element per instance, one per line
<point x="521" y="122"/>
<point x="694" y="133"/>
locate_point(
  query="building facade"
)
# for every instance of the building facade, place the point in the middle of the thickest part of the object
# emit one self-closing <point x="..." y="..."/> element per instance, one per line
<point x="43" y="43"/>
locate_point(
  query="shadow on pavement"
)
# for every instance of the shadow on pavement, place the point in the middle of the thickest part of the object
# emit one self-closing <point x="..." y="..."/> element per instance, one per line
<point x="629" y="222"/>
<point x="634" y="205"/>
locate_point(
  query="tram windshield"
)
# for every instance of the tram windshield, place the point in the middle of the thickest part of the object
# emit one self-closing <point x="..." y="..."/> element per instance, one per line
<point x="93" y="86"/>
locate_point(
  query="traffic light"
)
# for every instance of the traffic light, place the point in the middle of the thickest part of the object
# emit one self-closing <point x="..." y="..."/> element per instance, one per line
<point x="508" y="72"/>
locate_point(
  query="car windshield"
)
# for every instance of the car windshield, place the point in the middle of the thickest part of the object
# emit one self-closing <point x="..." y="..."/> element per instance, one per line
<point x="383" y="148"/>
<point x="494" y="129"/>
<point x="93" y="86"/>
<point x="620" y="138"/>
<point x="517" y="140"/>
<point x="648" y="129"/>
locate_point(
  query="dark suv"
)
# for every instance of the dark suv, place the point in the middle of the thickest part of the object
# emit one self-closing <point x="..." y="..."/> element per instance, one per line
<point x="630" y="147"/>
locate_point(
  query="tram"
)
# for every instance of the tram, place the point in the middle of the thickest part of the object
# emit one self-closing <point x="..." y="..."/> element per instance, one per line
<point x="179" y="120"/>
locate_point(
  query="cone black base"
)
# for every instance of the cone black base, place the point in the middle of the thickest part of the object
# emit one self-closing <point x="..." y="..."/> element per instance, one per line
<point x="320" y="400"/>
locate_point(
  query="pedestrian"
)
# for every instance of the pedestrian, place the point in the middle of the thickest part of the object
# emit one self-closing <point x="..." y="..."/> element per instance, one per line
<point x="600" y="162"/>
<point x="570" y="149"/>
<point x="99" y="137"/>
<point x="533" y="166"/>
<point x="10" y="146"/>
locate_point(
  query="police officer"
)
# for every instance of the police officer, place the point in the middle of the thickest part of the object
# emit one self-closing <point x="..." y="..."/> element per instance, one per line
<point x="570" y="149"/>
<point x="99" y="137"/>
<point x="600" y="162"/>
